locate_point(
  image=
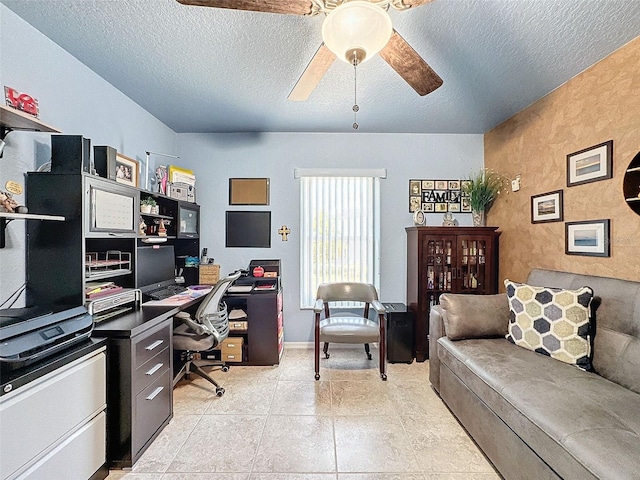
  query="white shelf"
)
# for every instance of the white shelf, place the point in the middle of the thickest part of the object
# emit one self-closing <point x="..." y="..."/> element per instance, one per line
<point x="6" y="217"/>
<point x="30" y="216"/>
<point x="13" y="119"/>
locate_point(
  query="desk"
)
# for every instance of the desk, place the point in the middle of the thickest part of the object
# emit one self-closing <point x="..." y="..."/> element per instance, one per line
<point x="139" y="377"/>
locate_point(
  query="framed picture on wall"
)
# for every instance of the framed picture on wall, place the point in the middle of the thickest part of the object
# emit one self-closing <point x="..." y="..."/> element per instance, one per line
<point x="248" y="191"/>
<point x="547" y="207"/>
<point x="590" y="165"/>
<point x="126" y="170"/>
<point x="590" y="238"/>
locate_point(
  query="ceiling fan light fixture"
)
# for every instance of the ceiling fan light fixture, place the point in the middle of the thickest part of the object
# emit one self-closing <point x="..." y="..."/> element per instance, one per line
<point x="355" y="31"/>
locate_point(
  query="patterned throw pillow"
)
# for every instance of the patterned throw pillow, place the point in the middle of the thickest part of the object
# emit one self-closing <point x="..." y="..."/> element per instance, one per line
<point x="551" y="321"/>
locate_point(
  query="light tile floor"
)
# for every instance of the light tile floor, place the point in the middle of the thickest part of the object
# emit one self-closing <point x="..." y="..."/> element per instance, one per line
<point x="277" y="423"/>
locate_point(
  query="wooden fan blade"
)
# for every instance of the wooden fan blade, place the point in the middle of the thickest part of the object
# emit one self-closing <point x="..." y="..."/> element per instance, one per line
<point x="409" y="65"/>
<point x="292" y="7"/>
<point x="311" y="76"/>
<point x="414" y="3"/>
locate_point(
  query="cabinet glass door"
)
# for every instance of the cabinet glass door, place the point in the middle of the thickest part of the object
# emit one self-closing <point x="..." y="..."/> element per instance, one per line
<point x="439" y="271"/>
<point x="473" y="266"/>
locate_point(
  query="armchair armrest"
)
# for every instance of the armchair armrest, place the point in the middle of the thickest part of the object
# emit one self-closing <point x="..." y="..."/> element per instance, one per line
<point x="319" y="305"/>
<point x="378" y="307"/>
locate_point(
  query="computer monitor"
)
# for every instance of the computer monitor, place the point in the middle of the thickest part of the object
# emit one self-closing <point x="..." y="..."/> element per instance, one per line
<point x="248" y="229"/>
<point x="155" y="266"/>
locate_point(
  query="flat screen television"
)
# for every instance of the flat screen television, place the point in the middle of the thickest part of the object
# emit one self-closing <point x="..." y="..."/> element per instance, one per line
<point x="248" y="229"/>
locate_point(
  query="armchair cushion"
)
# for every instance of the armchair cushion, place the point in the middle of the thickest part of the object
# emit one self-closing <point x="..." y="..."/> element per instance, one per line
<point x="474" y="316"/>
<point x="347" y="329"/>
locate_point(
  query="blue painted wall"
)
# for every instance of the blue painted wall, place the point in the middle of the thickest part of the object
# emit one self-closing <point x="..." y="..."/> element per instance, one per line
<point x="217" y="157"/>
<point x="75" y="100"/>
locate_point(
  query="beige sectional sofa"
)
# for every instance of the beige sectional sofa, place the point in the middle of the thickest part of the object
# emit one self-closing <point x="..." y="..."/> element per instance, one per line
<point x="536" y="417"/>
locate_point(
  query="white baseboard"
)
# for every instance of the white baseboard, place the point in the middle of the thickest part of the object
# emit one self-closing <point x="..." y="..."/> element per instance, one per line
<point x="332" y="346"/>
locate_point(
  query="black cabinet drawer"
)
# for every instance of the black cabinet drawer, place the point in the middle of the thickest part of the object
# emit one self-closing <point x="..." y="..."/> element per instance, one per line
<point x="151" y="343"/>
<point x="152" y="407"/>
<point x="150" y="371"/>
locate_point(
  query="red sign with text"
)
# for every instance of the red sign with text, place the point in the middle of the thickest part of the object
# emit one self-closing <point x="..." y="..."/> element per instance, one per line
<point x="21" y="101"/>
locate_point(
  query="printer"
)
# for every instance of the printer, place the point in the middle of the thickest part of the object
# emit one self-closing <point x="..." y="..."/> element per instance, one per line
<point x="33" y="333"/>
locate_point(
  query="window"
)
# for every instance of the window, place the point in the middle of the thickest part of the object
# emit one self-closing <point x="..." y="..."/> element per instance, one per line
<point x="340" y="232"/>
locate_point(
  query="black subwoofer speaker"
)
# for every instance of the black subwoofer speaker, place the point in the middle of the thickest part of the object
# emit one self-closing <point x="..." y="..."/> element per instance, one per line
<point x="400" y="333"/>
<point x="70" y="154"/>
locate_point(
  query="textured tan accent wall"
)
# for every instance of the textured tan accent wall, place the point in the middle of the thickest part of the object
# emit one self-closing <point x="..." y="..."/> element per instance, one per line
<point x="600" y="104"/>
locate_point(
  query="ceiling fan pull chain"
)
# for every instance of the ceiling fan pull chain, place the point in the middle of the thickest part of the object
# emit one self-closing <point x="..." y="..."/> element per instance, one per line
<point x="355" y="96"/>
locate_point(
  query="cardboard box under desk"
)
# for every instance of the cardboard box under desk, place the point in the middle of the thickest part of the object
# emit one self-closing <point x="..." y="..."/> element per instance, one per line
<point x="209" y="274"/>
<point x="231" y="349"/>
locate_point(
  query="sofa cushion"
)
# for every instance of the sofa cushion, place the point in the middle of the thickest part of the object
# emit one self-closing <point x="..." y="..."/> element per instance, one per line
<point x="582" y="425"/>
<point x="471" y="316"/>
<point x="551" y="321"/>
<point x="616" y="352"/>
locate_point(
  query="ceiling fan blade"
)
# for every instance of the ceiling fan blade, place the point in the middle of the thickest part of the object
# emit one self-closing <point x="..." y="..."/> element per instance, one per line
<point x="409" y="65"/>
<point x="414" y="3"/>
<point x="311" y="76"/>
<point x="292" y="7"/>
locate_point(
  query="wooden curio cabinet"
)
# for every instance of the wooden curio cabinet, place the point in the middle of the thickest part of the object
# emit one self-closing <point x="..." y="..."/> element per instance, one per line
<point x="447" y="260"/>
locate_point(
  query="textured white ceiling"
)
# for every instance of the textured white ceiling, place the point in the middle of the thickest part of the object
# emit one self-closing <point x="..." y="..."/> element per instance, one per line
<point x="213" y="70"/>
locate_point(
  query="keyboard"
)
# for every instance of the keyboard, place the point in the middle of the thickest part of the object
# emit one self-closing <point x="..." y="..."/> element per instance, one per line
<point x="166" y="292"/>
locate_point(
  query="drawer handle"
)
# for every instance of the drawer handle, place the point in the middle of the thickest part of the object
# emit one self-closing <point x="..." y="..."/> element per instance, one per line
<point x="155" y="344"/>
<point x="231" y="356"/>
<point x="155" y="393"/>
<point x="155" y="368"/>
<point x="231" y="345"/>
<point x="238" y="325"/>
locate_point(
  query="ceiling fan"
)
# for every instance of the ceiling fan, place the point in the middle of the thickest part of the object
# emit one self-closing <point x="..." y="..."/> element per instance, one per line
<point x="354" y="31"/>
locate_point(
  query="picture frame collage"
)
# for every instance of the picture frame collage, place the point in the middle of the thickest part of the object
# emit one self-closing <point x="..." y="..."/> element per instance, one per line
<point x="585" y="237"/>
<point x="438" y="196"/>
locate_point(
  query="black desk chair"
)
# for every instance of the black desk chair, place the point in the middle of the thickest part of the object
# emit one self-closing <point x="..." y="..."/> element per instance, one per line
<point x="204" y="332"/>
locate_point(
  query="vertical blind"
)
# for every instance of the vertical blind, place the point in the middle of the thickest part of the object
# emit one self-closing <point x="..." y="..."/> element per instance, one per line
<point x="339" y="222"/>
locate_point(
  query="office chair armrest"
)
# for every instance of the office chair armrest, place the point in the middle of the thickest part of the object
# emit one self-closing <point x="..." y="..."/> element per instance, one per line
<point x="378" y="307"/>
<point x="318" y="307"/>
<point x="187" y="320"/>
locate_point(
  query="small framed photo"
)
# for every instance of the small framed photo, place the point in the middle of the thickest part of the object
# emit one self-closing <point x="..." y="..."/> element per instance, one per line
<point x="590" y="165"/>
<point x="427" y="184"/>
<point x="414" y="187"/>
<point x="441" y="184"/>
<point x="414" y="204"/>
<point x="126" y="170"/>
<point x="428" y="207"/>
<point x="547" y="207"/>
<point x="590" y="238"/>
<point x="442" y="207"/>
<point x="454" y="184"/>
<point x="454" y="207"/>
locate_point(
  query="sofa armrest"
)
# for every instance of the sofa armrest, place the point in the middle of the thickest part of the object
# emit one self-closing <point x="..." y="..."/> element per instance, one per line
<point x="436" y="330"/>
<point x="474" y="316"/>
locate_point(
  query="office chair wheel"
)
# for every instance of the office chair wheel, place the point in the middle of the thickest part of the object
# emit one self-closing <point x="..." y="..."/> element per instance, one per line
<point x="317" y="376"/>
<point x="219" y="391"/>
<point x="369" y="356"/>
<point x="225" y="368"/>
<point x="383" y="376"/>
<point x="326" y="355"/>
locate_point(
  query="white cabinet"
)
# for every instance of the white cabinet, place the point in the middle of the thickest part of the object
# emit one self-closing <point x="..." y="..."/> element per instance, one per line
<point x="54" y="426"/>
